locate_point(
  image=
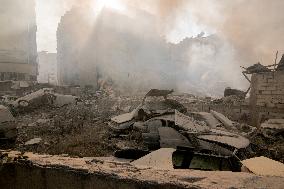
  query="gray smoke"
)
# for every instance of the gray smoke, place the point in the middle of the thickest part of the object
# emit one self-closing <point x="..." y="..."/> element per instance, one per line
<point x="236" y="33"/>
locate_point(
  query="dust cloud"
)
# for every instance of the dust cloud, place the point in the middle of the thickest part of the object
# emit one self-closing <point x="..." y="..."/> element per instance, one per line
<point x="230" y="34"/>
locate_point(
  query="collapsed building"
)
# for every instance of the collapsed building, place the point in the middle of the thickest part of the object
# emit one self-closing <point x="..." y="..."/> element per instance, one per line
<point x="18" y="49"/>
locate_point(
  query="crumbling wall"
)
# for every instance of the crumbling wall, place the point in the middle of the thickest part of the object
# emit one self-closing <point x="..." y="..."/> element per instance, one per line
<point x="267" y="91"/>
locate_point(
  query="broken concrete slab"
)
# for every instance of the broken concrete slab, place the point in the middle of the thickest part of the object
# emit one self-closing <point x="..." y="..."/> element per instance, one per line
<point x="127" y="116"/>
<point x="234" y="92"/>
<point x="153" y="125"/>
<point x="214" y="147"/>
<point x="33" y="141"/>
<point x="160" y="159"/>
<point x="186" y="123"/>
<point x="256" y="68"/>
<point x="170" y="138"/>
<point x="158" y="92"/>
<point x="223" y="119"/>
<point x="5" y="114"/>
<point x="139" y="125"/>
<point x="120" y="127"/>
<point x="35" y="99"/>
<point x="273" y="124"/>
<point x="61" y="100"/>
<point x="275" y="121"/>
<point x="167" y="117"/>
<point x="8" y="127"/>
<point x="227" y="138"/>
<point x="209" y="119"/>
<point x="159" y="107"/>
<point x="123" y="118"/>
<point x="264" y="166"/>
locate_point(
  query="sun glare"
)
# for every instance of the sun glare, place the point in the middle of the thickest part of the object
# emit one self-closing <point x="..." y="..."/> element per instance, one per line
<point x="113" y="4"/>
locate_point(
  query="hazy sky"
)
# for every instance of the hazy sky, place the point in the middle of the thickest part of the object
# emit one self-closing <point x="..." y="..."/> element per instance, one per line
<point x="49" y="13"/>
<point x="254" y="27"/>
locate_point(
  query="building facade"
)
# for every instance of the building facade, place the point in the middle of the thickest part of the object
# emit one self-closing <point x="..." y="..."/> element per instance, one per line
<point x="18" y="49"/>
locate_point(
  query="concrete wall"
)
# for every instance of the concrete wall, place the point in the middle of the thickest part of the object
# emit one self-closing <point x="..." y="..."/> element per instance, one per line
<point x="50" y="172"/>
<point x="20" y="176"/>
<point x="267" y="92"/>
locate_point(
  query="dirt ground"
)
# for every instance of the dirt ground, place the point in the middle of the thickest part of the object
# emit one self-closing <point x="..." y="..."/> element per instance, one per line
<point x="77" y="130"/>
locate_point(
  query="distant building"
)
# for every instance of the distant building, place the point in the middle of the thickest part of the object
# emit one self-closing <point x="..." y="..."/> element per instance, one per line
<point x="113" y="47"/>
<point x="18" y="49"/>
<point x="47" y="68"/>
<point x="130" y="54"/>
<point x="71" y="35"/>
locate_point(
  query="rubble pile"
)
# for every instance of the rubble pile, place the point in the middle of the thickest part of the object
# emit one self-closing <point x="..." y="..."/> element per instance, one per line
<point x="95" y="124"/>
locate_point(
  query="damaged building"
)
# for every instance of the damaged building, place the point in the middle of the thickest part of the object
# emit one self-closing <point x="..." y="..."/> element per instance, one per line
<point x="267" y="96"/>
<point x="119" y="106"/>
<point x="18" y="49"/>
<point x="114" y="47"/>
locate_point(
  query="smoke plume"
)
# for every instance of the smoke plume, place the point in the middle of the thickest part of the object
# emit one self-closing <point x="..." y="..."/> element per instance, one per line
<point x="236" y="33"/>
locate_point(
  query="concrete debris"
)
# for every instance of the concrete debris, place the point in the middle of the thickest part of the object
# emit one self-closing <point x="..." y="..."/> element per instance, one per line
<point x="186" y="158"/>
<point x="123" y="118"/>
<point x="272" y="127"/>
<point x="223" y="119"/>
<point x="273" y="124"/>
<point x="66" y="122"/>
<point x="159" y="107"/>
<point x="275" y="121"/>
<point x="256" y="68"/>
<point x="225" y="137"/>
<point x="167" y="117"/>
<point x="140" y="126"/>
<point x="211" y="121"/>
<point x="234" y="92"/>
<point x="7" y="99"/>
<point x="8" y="128"/>
<point x="121" y="127"/>
<point x="62" y="100"/>
<point x="35" y="99"/>
<point x="184" y="122"/>
<point x="160" y="159"/>
<point x="264" y="166"/>
<point x="33" y="141"/>
<point x="170" y="138"/>
<point x="5" y="114"/>
<point x="157" y="92"/>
